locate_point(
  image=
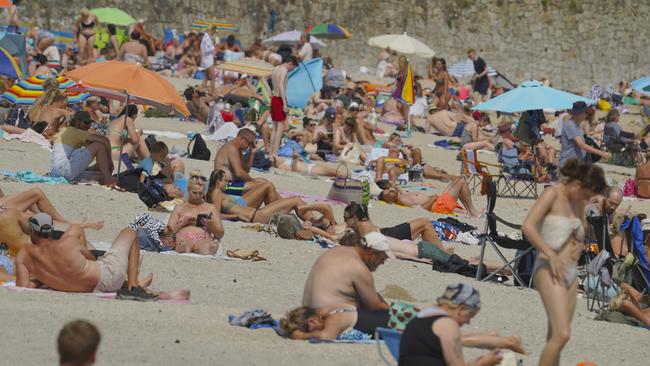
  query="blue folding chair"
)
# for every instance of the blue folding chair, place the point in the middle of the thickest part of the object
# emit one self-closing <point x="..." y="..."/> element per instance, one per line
<point x="392" y="338"/>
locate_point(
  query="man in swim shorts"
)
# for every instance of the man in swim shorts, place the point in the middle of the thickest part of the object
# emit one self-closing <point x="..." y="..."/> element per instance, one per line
<point x="445" y="203"/>
<point x="279" y="106"/>
<point x="66" y="264"/>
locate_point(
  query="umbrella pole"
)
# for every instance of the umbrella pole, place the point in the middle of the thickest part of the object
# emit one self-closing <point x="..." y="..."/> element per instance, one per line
<point x="309" y="76"/>
<point x="119" y="160"/>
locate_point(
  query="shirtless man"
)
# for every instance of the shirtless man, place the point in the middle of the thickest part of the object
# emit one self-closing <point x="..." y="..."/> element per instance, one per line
<point x="605" y="204"/>
<point x="279" y="106"/>
<point x="67" y="265"/>
<point x="230" y="159"/>
<point x="341" y="281"/>
<point x="133" y="51"/>
<point x="196" y="224"/>
<point x="445" y="203"/>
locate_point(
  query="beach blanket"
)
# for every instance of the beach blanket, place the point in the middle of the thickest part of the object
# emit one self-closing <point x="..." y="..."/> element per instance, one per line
<point x="446" y="144"/>
<point x="11" y="286"/>
<point x="311" y="198"/>
<point x="28" y="176"/>
<point x="30" y="136"/>
<point x="170" y="134"/>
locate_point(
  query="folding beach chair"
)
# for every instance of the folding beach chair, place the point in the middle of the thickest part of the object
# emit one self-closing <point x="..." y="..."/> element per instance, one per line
<point x="392" y="339"/>
<point x="597" y="282"/>
<point x="623" y="154"/>
<point x="491" y="236"/>
<point x="473" y="170"/>
<point x="516" y="180"/>
<point x="640" y="272"/>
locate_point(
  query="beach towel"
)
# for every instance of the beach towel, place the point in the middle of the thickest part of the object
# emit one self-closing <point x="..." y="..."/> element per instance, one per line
<point x="311" y="198"/>
<point x="170" y="134"/>
<point x="28" y="176"/>
<point x="344" y="340"/>
<point x="30" y="136"/>
<point x="446" y="144"/>
<point x="99" y="295"/>
<point x="445" y="231"/>
<point x="253" y="319"/>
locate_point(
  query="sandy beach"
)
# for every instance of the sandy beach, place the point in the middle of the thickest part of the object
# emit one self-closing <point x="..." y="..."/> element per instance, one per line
<point x="199" y="334"/>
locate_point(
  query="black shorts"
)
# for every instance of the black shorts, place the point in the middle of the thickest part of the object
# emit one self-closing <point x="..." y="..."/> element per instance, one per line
<point x="400" y="232"/>
<point x="369" y="320"/>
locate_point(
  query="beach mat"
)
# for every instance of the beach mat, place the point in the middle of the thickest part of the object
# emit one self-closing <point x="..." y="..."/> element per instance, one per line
<point x="99" y="295"/>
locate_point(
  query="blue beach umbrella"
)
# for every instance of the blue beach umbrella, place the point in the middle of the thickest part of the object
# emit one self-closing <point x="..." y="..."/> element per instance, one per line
<point x="303" y="81"/>
<point x="8" y="66"/>
<point x="531" y="95"/>
<point x="642" y="85"/>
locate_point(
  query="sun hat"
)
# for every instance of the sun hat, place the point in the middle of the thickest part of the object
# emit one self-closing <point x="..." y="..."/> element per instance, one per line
<point x="377" y="241"/>
<point x="41" y="223"/>
<point x="462" y="294"/>
<point x="578" y="107"/>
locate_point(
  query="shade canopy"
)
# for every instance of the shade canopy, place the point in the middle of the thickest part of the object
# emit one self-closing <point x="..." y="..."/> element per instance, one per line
<point x="642" y="85"/>
<point x="303" y="81"/>
<point x="14" y="44"/>
<point x="25" y="92"/>
<point x="466" y="68"/>
<point x="113" y="16"/>
<point x="292" y="38"/>
<point x="329" y="31"/>
<point x="8" y="66"/>
<point x="249" y="66"/>
<point x="116" y="80"/>
<point x="531" y="95"/>
<point x="402" y="43"/>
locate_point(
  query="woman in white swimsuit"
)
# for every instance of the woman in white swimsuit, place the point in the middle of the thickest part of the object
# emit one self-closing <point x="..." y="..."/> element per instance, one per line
<point x="554" y="226"/>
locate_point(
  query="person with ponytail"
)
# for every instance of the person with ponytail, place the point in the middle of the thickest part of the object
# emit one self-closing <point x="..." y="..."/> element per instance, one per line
<point x="555" y="227"/>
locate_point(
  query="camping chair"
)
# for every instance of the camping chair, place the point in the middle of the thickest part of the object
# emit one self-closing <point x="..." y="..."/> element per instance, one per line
<point x="516" y="180"/>
<point x="623" y="153"/>
<point x="640" y="272"/>
<point x="491" y="236"/>
<point x="473" y="170"/>
<point x="598" y="264"/>
<point x="392" y="339"/>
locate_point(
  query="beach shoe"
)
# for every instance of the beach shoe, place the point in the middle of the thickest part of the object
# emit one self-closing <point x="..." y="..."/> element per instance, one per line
<point x="135" y="294"/>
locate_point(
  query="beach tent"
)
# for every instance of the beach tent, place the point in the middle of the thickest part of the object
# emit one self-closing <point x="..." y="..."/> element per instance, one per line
<point x="531" y="95"/>
<point x="8" y="65"/>
<point x="303" y="81"/>
<point x="15" y="45"/>
<point x="292" y="38"/>
<point x="402" y="43"/>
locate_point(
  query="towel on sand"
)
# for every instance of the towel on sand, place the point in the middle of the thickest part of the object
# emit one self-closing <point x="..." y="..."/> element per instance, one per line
<point x="29" y="176"/>
<point x="100" y="295"/>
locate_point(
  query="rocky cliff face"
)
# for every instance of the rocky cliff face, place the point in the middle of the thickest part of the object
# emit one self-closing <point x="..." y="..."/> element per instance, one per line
<point x="574" y="43"/>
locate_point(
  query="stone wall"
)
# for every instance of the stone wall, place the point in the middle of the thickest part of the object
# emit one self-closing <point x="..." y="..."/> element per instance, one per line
<point x="574" y="43"/>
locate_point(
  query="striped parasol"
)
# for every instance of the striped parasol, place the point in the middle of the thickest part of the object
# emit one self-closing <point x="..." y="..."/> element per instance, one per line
<point x="25" y="92"/>
<point x="329" y="30"/>
<point x="220" y="24"/>
<point x="249" y="66"/>
<point x="466" y="68"/>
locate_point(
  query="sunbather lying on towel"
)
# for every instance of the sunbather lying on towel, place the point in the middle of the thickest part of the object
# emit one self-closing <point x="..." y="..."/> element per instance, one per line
<point x="195" y="224"/>
<point x="341" y="284"/>
<point x="65" y="264"/>
<point x="445" y="203"/>
<point x="295" y="164"/>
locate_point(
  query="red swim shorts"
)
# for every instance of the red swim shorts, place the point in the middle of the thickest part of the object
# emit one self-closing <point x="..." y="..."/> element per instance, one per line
<point x="445" y="204"/>
<point x="277" y="110"/>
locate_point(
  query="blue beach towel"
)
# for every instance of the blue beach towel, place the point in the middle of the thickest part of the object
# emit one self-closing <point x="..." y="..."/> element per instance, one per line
<point x="28" y="176"/>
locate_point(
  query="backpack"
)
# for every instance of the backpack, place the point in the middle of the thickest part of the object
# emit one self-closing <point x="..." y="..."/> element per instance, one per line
<point x="200" y="150"/>
<point x="286" y="225"/>
<point x="260" y="161"/>
<point x="524" y="267"/>
<point x="130" y="179"/>
<point x="151" y="192"/>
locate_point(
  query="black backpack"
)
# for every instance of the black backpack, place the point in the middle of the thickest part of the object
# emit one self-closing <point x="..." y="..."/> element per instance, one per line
<point x="200" y="150"/>
<point x="151" y="192"/>
<point x="260" y="161"/>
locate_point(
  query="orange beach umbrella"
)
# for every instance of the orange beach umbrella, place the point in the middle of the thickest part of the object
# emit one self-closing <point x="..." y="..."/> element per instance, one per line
<point x="128" y="83"/>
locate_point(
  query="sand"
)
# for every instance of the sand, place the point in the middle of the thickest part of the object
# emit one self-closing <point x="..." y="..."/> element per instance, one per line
<point x="198" y="333"/>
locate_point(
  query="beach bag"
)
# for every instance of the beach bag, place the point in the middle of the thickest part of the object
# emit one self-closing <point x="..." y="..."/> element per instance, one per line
<point x="629" y="188"/>
<point x="401" y="314"/>
<point x="261" y="161"/>
<point x="345" y="189"/>
<point x="18" y="117"/>
<point x="592" y="157"/>
<point x="350" y="155"/>
<point x="150" y="140"/>
<point x="129" y="179"/>
<point x="200" y="150"/>
<point x="286" y="225"/>
<point x="151" y="192"/>
<point x="642" y="180"/>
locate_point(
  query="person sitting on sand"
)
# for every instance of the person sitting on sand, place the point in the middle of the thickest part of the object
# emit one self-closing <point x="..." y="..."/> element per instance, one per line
<point x="54" y="111"/>
<point x="230" y="159"/>
<point x="195" y="223"/>
<point x="341" y="282"/>
<point x="392" y="165"/>
<point x="445" y="203"/>
<point x="121" y="131"/>
<point x="73" y="150"/>
<point x="66" y="264"/>
<point x="434" y="337"/>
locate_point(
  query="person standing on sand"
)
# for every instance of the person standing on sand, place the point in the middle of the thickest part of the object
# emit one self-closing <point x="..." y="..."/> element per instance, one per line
<point x="207" y="58"/>
<point x="77" y="343"/>
<point x="13" y="22"/>
<point x="480" y="80"/>
<point x="279" y="106"/>
<point x="555" y="227"/>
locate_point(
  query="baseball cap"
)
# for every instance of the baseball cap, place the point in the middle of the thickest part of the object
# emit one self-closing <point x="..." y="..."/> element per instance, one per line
<point x="41" y="223"/>
<point x="330" y="112"/>
<point x="462" y="294"/>
<point x="377" y="241"/>
<point x="82" y="116"/>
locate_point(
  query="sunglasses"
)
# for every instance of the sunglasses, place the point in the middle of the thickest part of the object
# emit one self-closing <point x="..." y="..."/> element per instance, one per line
<point x="199" y="178"/>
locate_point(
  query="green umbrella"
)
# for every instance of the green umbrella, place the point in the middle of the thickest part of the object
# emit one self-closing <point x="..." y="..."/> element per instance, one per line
<point x="113" y="16"/>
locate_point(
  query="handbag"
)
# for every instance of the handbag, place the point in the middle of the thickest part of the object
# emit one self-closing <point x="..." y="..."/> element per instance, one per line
<point x="346" y="189"/>
<point x="200" y="150"/>
<point x="152" y="192"/>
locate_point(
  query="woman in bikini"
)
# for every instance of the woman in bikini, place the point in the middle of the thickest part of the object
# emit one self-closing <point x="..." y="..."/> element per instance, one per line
<point x="134" y="144"/>
<point x="231" y="209"/>
<point x="84" y="28"/>
<point x="441" y="77"/>
<point x="554" y="226"/>
<point x="195" y="224"/>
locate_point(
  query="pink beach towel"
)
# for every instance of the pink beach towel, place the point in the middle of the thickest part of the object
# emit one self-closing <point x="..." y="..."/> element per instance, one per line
<point x="99" y="295"/>
<point x="311" y="198"/>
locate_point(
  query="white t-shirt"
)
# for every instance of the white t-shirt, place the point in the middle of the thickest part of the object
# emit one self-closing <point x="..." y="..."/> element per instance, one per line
<point x="306" y="52"/>
<point x="207" y="51"/>
<point x="52" y="54"/>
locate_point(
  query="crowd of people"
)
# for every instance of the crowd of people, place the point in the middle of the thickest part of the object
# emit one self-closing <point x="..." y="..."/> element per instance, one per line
<point x="340" y="124"/>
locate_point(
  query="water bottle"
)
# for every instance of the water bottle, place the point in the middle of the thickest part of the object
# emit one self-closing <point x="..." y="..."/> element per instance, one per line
<point x="180" y="182"/>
